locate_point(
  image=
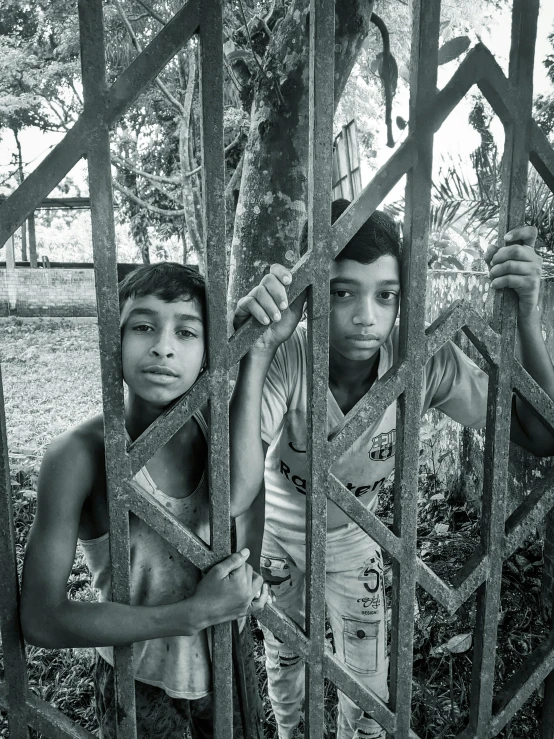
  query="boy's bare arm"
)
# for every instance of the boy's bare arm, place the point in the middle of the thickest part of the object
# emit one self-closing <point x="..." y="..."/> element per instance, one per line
<point x="267" y="303"/>
<point x="516" y="265"/>
<point x="50" y="619"/>
<point x="250" y="528"/>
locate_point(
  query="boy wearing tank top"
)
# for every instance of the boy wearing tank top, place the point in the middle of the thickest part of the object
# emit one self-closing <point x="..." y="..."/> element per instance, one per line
<point x="172" y="606"/>
<point x="363" y="346"/>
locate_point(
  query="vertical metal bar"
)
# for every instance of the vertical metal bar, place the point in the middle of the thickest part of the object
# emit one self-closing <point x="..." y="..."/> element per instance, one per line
<point x="515" y="162"/>
<point x="251" y="709"/>
<point x="348" y="162"/>
<point x="321" y="105"/>
<point x="12" y="640"/>
<point x="105" y="267"/>
<point x="547" y="716"/>
<point x="10" y="267"/>
<point x="32" y="241"/>
<point x="213" y="188"/>
<point x="423" y="84"/>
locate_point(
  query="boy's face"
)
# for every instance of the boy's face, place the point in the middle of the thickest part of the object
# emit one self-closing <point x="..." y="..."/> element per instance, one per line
<point x="162" y="347"/>
<point x="364" y="306"/>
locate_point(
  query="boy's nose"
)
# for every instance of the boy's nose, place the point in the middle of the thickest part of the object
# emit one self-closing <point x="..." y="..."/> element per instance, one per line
<point x="163" y="347"/>
<point x="162" y="351"/>
<point x="365" y="314"/>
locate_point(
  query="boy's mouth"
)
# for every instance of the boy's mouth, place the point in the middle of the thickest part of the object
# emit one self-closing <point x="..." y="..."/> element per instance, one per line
<point x="160" y="369"/>
<point x="363" y="337"/>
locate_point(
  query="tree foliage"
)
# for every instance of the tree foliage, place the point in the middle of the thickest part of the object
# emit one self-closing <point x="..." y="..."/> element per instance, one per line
<point x="156" y="145"/>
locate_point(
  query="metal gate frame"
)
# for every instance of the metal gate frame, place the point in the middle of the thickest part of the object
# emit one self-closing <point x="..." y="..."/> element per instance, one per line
<point x="511" y="98"/>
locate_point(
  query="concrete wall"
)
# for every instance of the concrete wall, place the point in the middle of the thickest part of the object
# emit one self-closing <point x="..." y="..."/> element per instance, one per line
<point x="463" y="467"/>
<point x="47" y="292"/>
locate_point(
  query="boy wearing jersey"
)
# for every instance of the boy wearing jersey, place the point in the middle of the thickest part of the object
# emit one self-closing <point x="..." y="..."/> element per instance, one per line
<point x="363" y="346"/>
<point x="172" y="605"/>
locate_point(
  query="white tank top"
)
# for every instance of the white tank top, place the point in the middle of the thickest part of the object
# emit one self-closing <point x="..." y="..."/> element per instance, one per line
<point x="179" y="665"/>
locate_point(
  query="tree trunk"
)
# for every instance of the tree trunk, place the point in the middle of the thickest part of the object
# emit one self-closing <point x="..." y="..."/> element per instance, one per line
<point x="21" y="178"/>
<point x="271" y="208"/>
<point x="192" y="223"/>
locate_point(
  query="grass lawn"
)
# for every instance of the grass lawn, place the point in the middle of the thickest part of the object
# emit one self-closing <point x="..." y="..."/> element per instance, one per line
<point x="51" y="377"/>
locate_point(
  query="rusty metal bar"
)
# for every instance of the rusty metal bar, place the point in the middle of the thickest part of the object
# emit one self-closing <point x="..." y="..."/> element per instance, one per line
<point x="51" y="722"/>
<point x="519" y="687"/>
<point x="366" y="700"/>
<point x="527" y="516"/>
<point x="461" y="315"/>
<point x="373" y="194"/>
<point x="213" y="188"/>
<point x="166" y="425"/>
<point x="105" y="269"/>
<point x="320" y="173"/>
<point x="423" y="84"/>
<point x="149" y="509"/>
<point x="547" y="598"/>
<point x="15" y="670"/>
<point x="470" y="577"/>
<point x="405" y="156"/>
<point x="384" y="391"/>
<point x="153" y="58"/>
<point x="116" y="100"/>
<point x="287" y="630"/>
<point x="429" y="109"/>
<point x="542" y="155"/>
<point x="528" y="390"/>
<point x="32" y="191"/>
<point x="365" y="519"/>
<point x="516" y="156"/>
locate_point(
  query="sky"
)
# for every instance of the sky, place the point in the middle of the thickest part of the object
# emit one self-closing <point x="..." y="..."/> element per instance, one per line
<point x="455" y="137"/>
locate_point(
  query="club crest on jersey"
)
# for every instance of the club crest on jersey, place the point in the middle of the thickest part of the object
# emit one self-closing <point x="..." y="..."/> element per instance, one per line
<point x="383" y="446"/>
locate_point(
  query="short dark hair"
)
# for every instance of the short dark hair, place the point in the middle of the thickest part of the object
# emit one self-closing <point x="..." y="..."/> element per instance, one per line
<point x="378" y="236"/>
<point x="169" y="281"/>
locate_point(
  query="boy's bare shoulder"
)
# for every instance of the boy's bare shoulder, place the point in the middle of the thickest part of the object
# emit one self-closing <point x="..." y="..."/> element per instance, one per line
<point x="72" y="476"/>
<point x="81" y="446"/>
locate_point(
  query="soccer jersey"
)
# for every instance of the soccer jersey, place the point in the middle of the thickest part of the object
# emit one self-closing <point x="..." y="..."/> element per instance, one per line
<point x="452" y="383"/>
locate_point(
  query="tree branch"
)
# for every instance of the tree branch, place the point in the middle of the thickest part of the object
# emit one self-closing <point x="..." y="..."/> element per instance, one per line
<point x="57" y="113"/>
<point x="141" y="173"/>
<point x="144" y="204"/>
<point x="193" y="229"/>
<point x="226" y="150"/>
<point x="232" y="76"/>
<point x="152" y="12"/>
<point x="262" y="70"/>
<point x="173" y="100"/>
<point x="75" y="91"/>
<point x="233" y="183"/>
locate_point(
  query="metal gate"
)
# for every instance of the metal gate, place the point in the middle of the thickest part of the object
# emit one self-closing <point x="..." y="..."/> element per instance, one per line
<point x="511" y="98"/>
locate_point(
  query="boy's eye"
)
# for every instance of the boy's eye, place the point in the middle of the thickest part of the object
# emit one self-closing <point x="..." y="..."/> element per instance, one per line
<point x="142" y="327"/>
<point x="185" y="333"/>
<point x="341" y="294"/>
<point x="388" y="296"/>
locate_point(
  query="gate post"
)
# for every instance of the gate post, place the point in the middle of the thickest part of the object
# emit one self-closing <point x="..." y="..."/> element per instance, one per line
<point x="11" y="274"/>
<point x="547" y="719"/>
<point x="32" y="242"/>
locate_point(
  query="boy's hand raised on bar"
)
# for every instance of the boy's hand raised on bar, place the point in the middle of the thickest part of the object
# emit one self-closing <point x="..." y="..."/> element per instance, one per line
<point x="229" y="591"/>
<point x="268" y="304"/>
<point x="518" y="266"/>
